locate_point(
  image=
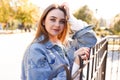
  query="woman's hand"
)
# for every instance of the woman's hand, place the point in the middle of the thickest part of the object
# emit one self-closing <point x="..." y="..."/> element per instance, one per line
<point x="66" y="7"/>
<point x="83" y="53"/>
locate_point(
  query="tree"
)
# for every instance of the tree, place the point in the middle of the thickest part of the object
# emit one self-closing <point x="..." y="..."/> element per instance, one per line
<point x="115" y="26"/>
<point x="12" y="11"/>
<point x="26" y="12"/>
<point x="85" y="14"/>
<point x="5" y="12"/>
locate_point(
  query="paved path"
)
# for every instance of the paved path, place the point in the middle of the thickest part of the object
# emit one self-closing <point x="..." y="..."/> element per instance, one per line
<point x="12" y="47"/>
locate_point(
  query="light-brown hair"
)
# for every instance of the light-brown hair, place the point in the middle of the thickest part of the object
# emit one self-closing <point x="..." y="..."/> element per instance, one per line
<point x="41" y="29"/>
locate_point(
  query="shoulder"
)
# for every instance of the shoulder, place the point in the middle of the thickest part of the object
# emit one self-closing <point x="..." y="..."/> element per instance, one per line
<point x="35" y="51"/>
<point x="37" y="47"/>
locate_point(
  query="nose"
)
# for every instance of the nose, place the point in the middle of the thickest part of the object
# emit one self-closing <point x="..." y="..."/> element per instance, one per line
<point x="57" y="24"/>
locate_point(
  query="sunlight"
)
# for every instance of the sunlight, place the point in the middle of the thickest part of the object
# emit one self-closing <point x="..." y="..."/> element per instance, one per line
<point x="106" y="8"/>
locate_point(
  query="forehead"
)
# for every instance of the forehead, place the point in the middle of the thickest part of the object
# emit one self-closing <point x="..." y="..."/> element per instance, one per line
<point x="57" y="13"/>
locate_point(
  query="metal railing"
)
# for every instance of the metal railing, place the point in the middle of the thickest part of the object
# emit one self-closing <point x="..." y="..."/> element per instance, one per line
<point x="96" y="65"/>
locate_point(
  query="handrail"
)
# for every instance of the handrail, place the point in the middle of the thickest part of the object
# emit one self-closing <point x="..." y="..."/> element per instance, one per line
<point x="97" y="60"/>
<point x="96" y="65"/>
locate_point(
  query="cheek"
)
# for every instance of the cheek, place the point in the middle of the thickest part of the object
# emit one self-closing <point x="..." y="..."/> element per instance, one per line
<point x="62" y="29"/>
<point x="47" y="25"/>
<point x="47" y="28"/>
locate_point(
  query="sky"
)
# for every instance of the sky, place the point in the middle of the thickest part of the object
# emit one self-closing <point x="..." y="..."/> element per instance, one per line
<point x="105" y="8"/>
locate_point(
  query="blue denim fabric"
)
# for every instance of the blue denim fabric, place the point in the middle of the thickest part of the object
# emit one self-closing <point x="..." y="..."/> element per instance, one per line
<point x="41" y="59"/>
<point x="86" y="37"/>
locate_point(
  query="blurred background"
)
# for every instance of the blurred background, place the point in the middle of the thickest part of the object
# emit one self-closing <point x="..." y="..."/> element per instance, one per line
<point x="19" y="19"/>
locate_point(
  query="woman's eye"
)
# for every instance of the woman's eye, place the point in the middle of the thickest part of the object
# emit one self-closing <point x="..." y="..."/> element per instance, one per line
<point x="52" y="20"/>
<point x="62" y="22"/>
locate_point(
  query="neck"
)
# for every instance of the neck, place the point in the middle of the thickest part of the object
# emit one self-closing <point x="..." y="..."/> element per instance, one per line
<point x="54" y="39"/>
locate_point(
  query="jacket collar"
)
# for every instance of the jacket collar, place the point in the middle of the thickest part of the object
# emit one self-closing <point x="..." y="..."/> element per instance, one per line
<point x="48" y="44"/>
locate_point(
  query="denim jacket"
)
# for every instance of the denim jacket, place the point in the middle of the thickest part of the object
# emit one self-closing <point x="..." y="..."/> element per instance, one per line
<point x="40" y="60"/>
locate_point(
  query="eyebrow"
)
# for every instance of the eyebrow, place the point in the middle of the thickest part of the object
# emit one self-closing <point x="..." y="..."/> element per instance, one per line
<point x="56" y="17"/>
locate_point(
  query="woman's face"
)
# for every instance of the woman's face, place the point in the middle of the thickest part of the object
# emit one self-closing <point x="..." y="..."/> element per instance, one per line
<point x="55" y="22"/>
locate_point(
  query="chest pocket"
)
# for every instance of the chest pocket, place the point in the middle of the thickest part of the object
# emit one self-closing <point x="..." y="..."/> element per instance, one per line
<point x="50" y="57"/>
<point x="53" y="59"/>
<point x="57" y="57"/>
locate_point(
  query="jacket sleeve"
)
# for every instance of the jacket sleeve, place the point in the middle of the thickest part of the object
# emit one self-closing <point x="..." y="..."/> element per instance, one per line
<point x="85" y="37"/>
<point x="37" y="67"/>
<point x="83" y="33"/>
<point x="76" y="24"/>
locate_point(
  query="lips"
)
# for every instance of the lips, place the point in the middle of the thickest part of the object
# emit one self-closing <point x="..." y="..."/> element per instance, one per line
<point x="57" y="30"/>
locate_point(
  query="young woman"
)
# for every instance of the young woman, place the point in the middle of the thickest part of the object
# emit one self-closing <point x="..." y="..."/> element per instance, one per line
<point x="51" y="46"/>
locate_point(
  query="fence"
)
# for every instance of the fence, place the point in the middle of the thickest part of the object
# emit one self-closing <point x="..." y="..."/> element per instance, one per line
<point x="96" y="65"/>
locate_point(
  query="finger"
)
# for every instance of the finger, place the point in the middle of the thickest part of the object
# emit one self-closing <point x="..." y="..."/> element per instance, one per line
<point x="84" y="57"/>
<point x="87" y="53"/>
<point x="87" y="49"/>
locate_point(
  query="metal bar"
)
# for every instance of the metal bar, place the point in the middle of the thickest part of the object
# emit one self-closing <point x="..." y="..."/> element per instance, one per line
<point x="96" y="65"/>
